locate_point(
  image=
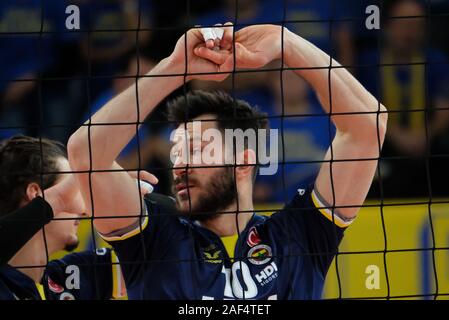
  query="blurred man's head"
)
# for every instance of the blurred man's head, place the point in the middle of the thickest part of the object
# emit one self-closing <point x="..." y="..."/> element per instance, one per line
<point x="203" y="189"/>
<point x="28" y="166"/>
<point x="404" y="35"/>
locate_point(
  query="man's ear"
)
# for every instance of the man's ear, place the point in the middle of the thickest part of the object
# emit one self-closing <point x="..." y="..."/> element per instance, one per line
<point x="33" y="190"/>
<point x="248" y="156"/>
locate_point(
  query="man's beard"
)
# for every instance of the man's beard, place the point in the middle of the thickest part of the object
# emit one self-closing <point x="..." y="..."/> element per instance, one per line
<point x="218" y="194"/>
<point x="69" y="247"/>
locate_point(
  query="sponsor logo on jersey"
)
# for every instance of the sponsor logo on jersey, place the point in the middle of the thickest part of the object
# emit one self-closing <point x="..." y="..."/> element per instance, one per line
<point x="253" y="237"/>
<point x="101" y="251"/>
<point x="268" y="274"/>
<point x="54" y="287"/>
<point x="212" y="254"/>
<point x="260" y="254"/>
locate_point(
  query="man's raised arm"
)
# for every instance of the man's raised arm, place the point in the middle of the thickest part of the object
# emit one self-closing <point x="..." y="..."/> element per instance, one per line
<point x="360" y="119"/>
<point x="107" y="190"/>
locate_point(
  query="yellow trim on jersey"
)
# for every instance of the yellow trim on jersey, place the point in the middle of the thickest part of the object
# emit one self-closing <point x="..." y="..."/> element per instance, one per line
<point x="229" y="243"/>
<point x="40" y="289"/>
<point x="129" y="234"/>
<point x="117" y="280"/>
<point x="328" y="213"/>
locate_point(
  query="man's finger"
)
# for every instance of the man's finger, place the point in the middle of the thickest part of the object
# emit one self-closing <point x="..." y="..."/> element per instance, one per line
<point x="145" y="187"/>
<point x="243" y="57"/>
<point x="144" y="175"/>
<point x="209" y="37"/>
<point x="212" y="36"/>
<point x="217" y="57"/>
<point x="228" y="36"/>
<point x="218" y="31"/>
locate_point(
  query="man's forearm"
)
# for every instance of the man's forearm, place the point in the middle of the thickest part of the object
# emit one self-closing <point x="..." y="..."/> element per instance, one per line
<point x="344" y="94"/>
<point x="114" y="125"/>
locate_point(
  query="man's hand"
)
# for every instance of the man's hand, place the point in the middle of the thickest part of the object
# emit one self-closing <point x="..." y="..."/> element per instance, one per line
<point x="186" y="58"/>
<point x="255" y="47"/>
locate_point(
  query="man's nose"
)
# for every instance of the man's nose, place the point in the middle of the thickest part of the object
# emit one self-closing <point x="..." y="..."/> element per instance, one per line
<point x="181" y="167"/>
<point x="181" y="171"/>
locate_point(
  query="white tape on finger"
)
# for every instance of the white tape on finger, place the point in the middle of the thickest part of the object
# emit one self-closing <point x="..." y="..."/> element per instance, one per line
<point x="218" y="33"/>
<point x="145" y="186"/>
<point x="208" y="34"/>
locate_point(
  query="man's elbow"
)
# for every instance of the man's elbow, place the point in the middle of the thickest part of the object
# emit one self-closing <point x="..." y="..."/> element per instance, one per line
<point x="382" y="123"/>
<point x="371" y="129"/>
<point x="78" y="152"/>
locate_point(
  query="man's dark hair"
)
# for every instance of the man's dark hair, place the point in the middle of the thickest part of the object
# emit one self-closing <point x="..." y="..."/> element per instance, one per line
<point x="230" y="113"/>
<point x="24" y="160"/>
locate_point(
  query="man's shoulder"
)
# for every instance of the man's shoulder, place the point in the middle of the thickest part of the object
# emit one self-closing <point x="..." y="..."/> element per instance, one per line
<point x="301" y="198"/>
<point x="303" y="203"/>
<point x="160" y="199"/>
<point x="161" y="204"/>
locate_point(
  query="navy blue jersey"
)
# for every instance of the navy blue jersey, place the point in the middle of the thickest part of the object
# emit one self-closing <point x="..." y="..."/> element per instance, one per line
<point x="285" y="256"/>
<point x="82" y="276"/>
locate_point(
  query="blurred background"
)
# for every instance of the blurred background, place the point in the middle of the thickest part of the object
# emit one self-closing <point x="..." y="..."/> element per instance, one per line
<point x="53" y="79"/>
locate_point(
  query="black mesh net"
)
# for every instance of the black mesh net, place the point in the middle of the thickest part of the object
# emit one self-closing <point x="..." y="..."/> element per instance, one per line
<point x="136" y="88"/>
